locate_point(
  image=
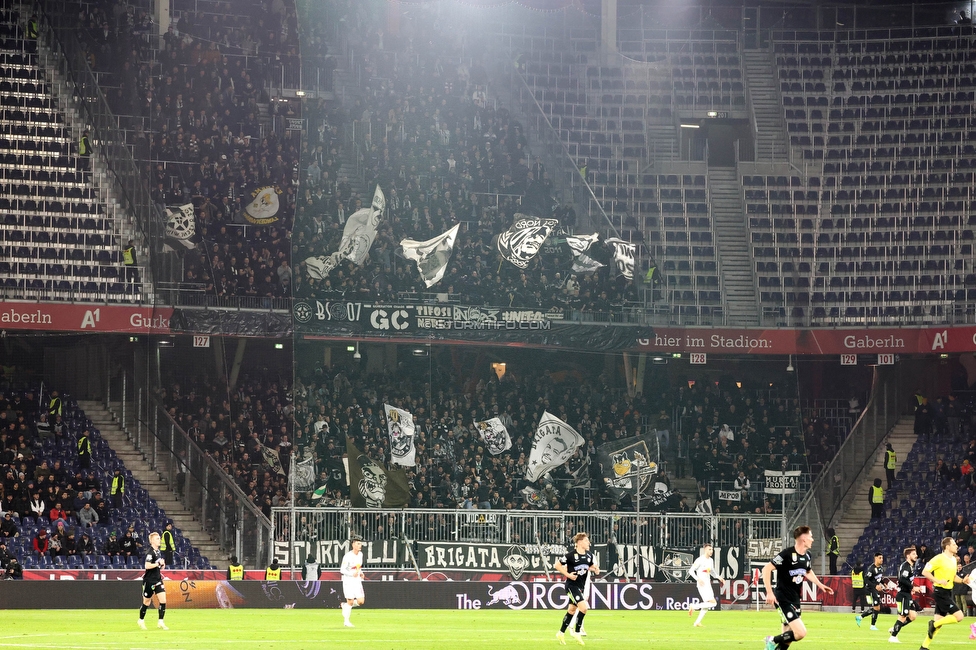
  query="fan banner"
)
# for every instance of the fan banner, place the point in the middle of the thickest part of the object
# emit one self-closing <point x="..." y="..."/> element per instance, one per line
<point x="181" y="226"/>
<point x="495" y="436"/>
<point x="305" y="475"/>
<point x="520" y="243"/>
<point x="264" y="207"/>
<point x="627" y="466"/>
<point x="432" y="255"/>
<point x="554" y="444"/>
<point x="624" y="254"/>
<point x="357" y="238"/>
<point x="399" y="424"/>
<point x="271" y="458"/>
<point x="580" y="245"/>
<point x="373" y="486"/>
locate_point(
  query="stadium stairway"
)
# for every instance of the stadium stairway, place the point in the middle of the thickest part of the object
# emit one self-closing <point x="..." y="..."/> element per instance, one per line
<point x="739" y="285"/>
<point x="767" y="105"/>
<point x="135" y="461"/>
<point x="856" y="508"/>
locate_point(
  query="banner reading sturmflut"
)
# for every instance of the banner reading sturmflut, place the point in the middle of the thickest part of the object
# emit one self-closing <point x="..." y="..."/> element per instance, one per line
<point x="555" y="443"/>
<point x="495" y="435"/>
<point x="399" y="423"/>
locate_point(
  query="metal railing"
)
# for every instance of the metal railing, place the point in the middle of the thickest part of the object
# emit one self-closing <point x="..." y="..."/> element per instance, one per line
<point x="198" y="482"/>
<point x="823" y="504"/>
<point x="299" y="528"/>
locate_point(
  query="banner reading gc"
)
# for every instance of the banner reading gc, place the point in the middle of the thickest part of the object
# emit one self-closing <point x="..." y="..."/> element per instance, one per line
<point x="396" y="318"/>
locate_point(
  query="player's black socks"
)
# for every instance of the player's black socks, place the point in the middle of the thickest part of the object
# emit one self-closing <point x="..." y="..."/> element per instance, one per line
<point x="566" y="619"/>
<point x="162" y="610"/>
<point x="874" y="617"/>
<point x="142" y="612"/>
<point x="579" y="621"/>
<point x="786" y="637"/>
<point x="896" y="628"/>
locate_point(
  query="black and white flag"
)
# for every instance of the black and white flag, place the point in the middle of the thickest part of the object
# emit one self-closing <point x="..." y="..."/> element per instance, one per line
<point x="305" y="475"/>
<point x="624" y="254"/>
<point x="399" y="423"/>
<point x="554" y="444"/>
<point x="264" y="208"/>
<point x="357" y="238"/>
<point x="580" y="245"/>
<point x="520" y="243"/>
<point x="628" y="465"/>
<point x="432" y="255"/>
<point x="181" y="227"/>
<point x="495" y="435"/>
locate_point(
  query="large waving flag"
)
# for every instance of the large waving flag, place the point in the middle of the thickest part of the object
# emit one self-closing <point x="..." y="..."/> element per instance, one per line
<point x="628" y="465"/>
<point x="580" y="245"/>
<point x="272" y="459"/>
<point x="520" y="243"/>
<point x="400" y="425"/>
<point x="357" y="238"/>
<point x="624" y="254"/>
<point x="432" y="255"/>
<point x="181" y="227"/>
<point x="555" y="443"/>
<point x="495" y="436"/>
<point x="373" y="486"/>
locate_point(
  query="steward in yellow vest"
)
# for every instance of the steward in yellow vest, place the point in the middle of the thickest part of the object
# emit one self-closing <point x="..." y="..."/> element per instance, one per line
<point x="273" y="572"/>
<point x="235" y="571"/>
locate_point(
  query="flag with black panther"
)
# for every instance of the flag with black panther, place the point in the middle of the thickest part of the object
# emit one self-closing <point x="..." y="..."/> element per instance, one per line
<point x="373" y="486"/>
<point x="399" y="424"/>
<point x="624" y="254"/>
<point x="554" y="443"/>
<point x="432" y="255"/>
<point x="628" y="465"/>
<point x="520" y="243"/>
<point x="495" y="436"/>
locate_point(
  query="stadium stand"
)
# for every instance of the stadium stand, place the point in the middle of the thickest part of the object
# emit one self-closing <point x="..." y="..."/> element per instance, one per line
<point x="44" y="460"/>
<point x="62" y="239"/>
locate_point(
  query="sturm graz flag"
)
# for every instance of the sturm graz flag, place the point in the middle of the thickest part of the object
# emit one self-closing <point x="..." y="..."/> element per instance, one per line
<point x="520" y="243"/>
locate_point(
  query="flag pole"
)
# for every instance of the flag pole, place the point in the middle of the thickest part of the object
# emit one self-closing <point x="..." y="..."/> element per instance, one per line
<point x="291" y="504"/>
<point x="637" y="572"/>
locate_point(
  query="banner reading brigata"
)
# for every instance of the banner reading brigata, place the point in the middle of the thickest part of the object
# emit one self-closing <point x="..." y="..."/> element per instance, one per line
<point x="41" y="316"/>
<point x="925" y="340"/>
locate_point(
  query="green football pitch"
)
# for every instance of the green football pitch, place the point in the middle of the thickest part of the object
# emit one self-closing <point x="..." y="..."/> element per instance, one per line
<point x="412" y="629"/>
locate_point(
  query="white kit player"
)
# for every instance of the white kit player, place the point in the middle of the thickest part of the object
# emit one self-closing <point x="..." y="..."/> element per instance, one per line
<point x="972" y="585"/>
<point x="352" y="578"/>
<point x="702" y="571"/>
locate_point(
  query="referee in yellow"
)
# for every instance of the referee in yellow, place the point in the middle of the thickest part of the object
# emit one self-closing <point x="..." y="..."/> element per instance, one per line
<point x="941" y="570"/>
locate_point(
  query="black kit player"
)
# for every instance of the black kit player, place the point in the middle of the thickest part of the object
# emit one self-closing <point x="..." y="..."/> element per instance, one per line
<point x="576" y="567"/>
<point x="152" y="582"/>
<point x="908" y="607"/>
<point x="872" y="590"/>
<point x="792" y="566"/>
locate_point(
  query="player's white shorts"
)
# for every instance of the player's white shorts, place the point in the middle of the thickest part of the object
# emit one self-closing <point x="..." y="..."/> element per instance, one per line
<point x="352" y="588"/>
<point x="706" y="593"/>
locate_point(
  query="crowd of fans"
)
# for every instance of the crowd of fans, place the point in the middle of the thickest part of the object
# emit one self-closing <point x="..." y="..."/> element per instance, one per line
<point x="444" y="154"/>
<point x="733" y="436"/>
<point x="58" y="505"/>
<point x="194" y="112"/>
<point x="453" y="470"/>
